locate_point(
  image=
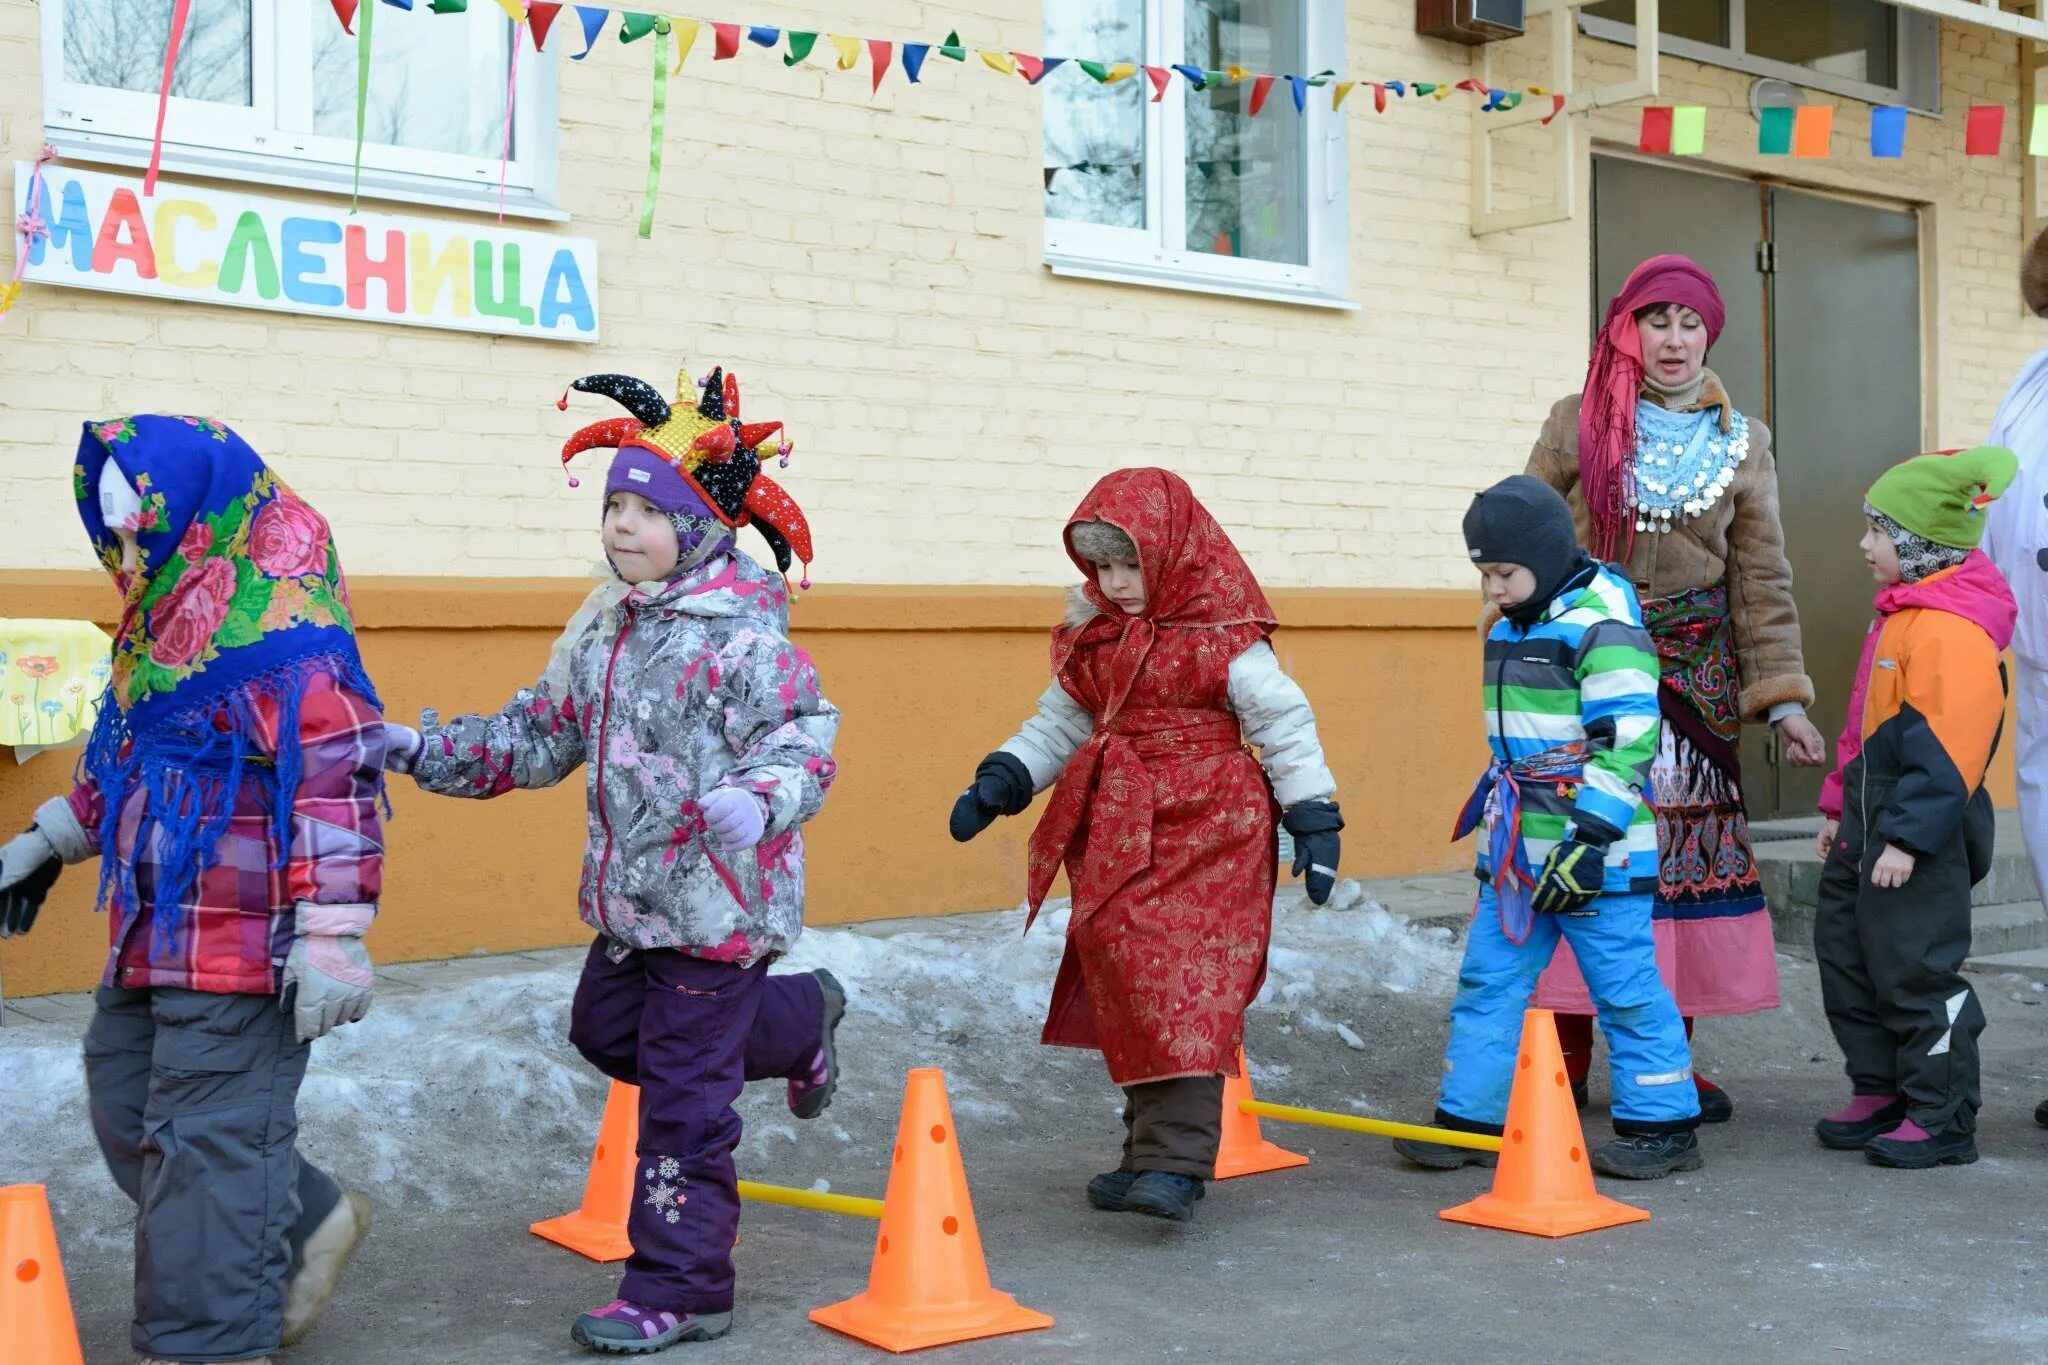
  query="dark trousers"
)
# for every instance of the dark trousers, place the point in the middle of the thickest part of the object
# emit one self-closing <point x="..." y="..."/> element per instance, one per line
<point x="1174" y="1125"/>
<point x="690" y="1033"/>
<point x="194" y="1100"/>
<point x="1891" y="972"/>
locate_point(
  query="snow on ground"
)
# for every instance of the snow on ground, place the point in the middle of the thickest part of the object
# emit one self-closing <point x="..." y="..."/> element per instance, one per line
<point x="470" y="1093"/>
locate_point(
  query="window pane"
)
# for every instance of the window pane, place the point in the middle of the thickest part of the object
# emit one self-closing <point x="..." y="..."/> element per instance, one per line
<point x="119" y="44"/>
<point x="1095" y="134"/>
<point x="1856" y="40"/>
<point x="1246" y="177"/>
<point x="1703" y="21"/>
<point x="437" y="81"/>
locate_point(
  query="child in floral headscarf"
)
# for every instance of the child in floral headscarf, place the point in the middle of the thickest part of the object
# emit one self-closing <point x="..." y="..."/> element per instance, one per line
<point x="230" y="789"/>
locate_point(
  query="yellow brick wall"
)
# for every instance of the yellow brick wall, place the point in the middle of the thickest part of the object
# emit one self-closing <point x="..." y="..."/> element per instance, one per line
<point x="951" y="399"/>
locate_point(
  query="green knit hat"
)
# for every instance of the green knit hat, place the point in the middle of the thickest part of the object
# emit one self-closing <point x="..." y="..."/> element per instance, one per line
<point x="1941" y="497"/>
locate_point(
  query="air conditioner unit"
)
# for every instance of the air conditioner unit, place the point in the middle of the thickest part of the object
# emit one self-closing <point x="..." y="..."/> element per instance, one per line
<point x="1469" y="21"/>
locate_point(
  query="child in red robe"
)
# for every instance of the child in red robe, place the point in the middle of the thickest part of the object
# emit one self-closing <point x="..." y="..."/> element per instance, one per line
<point x="1163" y="817"/>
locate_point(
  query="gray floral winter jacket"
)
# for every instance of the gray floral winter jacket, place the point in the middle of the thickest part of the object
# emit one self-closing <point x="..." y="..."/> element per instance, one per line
<point x="669" y="693"/>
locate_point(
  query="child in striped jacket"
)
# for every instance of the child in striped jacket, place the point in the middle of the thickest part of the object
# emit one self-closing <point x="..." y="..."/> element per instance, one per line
<point x="1570" y="845"/>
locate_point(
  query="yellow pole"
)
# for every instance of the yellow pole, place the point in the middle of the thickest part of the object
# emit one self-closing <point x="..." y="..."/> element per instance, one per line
<point x="1449" y="1137"/>
<point x="852" y="1205"/>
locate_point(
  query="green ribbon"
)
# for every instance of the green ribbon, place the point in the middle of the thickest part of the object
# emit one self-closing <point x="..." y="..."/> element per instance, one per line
<point x="633" y="24"/>
<point x="660" y="127"/>
<point x="1099" y="70"/>
<point x="952" y="48"/>
<point x="800" y="45"/>
<point x="364" y="19"/>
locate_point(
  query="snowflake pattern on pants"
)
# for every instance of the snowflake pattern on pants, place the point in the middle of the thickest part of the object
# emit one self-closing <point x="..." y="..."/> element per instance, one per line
<point x="665" y="1188"/>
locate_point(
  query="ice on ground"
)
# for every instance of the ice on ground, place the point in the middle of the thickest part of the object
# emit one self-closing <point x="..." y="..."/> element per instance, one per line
<point x="446" y="1097"/>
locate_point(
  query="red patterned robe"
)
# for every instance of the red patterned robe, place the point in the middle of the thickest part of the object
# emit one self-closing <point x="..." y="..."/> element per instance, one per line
<point x="1164" y="819"/>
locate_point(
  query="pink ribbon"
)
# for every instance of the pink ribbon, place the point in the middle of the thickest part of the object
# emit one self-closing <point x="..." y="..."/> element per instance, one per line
<point x="31" y="225"/>
<point x="511" y="87"/>
<point x="180" y="11"/>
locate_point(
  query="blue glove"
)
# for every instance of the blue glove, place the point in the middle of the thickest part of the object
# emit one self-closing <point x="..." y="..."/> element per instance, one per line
<point x="1002" y="786"/>
<point x="1314" y="825"/>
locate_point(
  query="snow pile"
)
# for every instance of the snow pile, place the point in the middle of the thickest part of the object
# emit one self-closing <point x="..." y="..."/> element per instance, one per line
<point x="454" y="1096"/>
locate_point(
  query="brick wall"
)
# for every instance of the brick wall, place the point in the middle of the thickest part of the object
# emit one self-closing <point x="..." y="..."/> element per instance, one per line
<point x="951" y="400"/>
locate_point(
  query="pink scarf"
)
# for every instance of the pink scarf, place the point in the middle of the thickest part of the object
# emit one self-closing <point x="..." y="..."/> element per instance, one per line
<point x="1614" y="380"/>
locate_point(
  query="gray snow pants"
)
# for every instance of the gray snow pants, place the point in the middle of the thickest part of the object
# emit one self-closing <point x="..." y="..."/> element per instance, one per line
<point x="194" y="1100"/>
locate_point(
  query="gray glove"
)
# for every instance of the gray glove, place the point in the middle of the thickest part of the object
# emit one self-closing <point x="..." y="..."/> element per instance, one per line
<point x="327" y="975"/>
<point x="24" y="854"/>
<point x="28" y="869"/>
<point x="401" y="747"/>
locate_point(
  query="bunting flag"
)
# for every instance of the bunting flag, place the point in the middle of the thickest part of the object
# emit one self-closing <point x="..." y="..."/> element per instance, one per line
<point x="913" y="59"/>
<point x="800" y="45"/>
<point x="345" y="10"/>
<point x="1000" y="61"/>
<point x="2037" y="132"/>
<point x="878" y="52"/>
<point x="1984" y="132"/>
<point x="634" y="26"/>
<point x="951" y="47"/>
<point x="1197" y="78"/>
<point x="1888" y="131"/>
<point x="1033" y="69"/>
<point x="727" y="42"/>
<point x="1343" y="88"/>
<point x="849" y="51"/>
<point x="1262" y="86"/>
<point x="764" y="37"/>
<point x="1161" y="79"/>
<point x="515" y="10"/>
<point x="1688" y="130"/>
<point x="540" y="18"/>
<point x="1812" y="129"/>
<point x="592" y="20"/>
<point x="1299" y="85"/>
<point x="686" y="38"/>
<point x="1654" y="136"/>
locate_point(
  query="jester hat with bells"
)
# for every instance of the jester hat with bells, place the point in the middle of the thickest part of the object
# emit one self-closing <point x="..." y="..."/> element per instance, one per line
<point x="705" y="442"/>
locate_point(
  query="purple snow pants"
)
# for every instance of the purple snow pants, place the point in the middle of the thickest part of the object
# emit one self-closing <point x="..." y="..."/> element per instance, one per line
<point x="690" y="1033"/>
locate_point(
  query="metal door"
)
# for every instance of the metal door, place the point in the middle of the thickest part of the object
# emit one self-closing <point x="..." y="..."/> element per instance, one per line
<point x="1642" y="210"/>
<point x="1844" y="354"/>
<point x="1823" y="343"/>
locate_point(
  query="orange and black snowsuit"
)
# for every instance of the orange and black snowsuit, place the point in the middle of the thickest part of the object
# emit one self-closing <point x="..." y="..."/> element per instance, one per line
<point x="1923" y="723"/>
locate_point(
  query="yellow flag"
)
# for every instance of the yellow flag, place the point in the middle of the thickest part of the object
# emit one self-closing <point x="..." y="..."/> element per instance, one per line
<point x="1343" y="89"/>
<point x="1237" y="73"/>
<point x="1538" y="91"/>
<point x="1443" y="92"/>
<point x="686" y="38"/>
<point x="515" y="10"/>
<point x="1122" y="71"/>
<point x="849" y="51"/>
<point x="1000" y="61"/>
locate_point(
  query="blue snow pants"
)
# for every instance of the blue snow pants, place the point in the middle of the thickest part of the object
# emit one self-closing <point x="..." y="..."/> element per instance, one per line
<point x="1651" y="1061"/>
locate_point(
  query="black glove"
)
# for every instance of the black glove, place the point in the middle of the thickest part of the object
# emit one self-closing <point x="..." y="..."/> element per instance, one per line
<point x="1002" y="786"/>
<point x="26" y="890"/>
<point x="1314" y="825"/>
<point x="1575" y="871"/>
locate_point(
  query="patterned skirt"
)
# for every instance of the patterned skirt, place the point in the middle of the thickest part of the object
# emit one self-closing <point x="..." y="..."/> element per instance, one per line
<point x="1715" y="946"/>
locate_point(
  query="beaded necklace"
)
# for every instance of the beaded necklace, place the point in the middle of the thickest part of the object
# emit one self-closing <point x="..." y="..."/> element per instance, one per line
<point x="1683" y="463"/>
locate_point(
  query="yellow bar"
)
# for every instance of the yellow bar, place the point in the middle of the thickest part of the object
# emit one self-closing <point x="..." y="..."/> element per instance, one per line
<point x="852" y="1205"/>
<point x="1449" y="1137"/>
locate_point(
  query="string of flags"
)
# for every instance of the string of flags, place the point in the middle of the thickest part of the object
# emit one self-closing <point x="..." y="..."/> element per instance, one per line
<point x="1807" y="130"/>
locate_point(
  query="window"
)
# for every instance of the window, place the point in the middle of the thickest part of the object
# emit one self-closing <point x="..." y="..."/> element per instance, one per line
<point x="1191" y="191"/>
<point x="267" y="93"/>
<point x="1859" y="48"/>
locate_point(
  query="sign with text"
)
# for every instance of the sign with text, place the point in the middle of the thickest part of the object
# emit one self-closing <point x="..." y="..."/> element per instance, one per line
<point x="251" y="251"/>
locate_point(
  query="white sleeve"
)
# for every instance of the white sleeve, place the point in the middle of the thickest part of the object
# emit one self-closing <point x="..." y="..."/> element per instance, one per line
<point x="1279" y="722"/>
<point x="1055" y="731"/>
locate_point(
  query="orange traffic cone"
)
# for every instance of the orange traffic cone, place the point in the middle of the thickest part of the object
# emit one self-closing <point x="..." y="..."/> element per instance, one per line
<point x="1543" y="1184"/>
<point x="598" y="1229"/>
<point x="1243" y="1150"/>
<point x="928" y="1285"/>
<point x="33" y="1301"/>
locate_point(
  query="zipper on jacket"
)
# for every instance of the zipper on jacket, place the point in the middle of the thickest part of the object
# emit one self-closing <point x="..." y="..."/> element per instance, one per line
<point x="604" y="718"/>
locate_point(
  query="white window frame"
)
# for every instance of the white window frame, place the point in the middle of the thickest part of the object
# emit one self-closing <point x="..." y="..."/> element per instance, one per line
<point x="270" y="142"/>
<point x="1917" y="41"/>
<point x="1151" y="255"/>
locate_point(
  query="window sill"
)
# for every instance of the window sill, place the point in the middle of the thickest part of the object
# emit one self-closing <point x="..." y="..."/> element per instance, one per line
<point x="1130" y="272"/>
<point x="248" y="169"/>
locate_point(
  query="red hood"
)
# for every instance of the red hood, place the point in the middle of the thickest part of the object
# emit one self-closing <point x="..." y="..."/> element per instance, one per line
<point x="1973" y="590"/>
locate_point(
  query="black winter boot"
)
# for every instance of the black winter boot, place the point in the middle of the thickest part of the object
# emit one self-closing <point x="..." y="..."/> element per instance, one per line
<point x="1164" y="1194"/>
<point x="1442" y="1156"/>
<point x="2041" y="1113"/>
<point x="1648" y="1156"/>
<point x="1715" y="1106"/>
<point x="1107" y="1191"/>
<point x="1911" y="1148"/>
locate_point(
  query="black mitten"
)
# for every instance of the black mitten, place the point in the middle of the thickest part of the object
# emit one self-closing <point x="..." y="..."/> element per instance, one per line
<point x="1314" y="825"/>
<point x="1002" y="786"/>
<point x="20" y="902"/>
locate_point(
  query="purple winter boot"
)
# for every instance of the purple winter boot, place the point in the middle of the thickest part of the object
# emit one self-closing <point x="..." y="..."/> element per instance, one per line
<point x="1866" y="1116"/>
<point x="1909" y="1147"/>
<point x="812" y="1092"/>
<point x="622" y="1328"/>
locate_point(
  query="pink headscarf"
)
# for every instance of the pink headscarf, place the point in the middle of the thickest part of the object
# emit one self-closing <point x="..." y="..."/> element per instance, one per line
<point x="1614" y="380"/>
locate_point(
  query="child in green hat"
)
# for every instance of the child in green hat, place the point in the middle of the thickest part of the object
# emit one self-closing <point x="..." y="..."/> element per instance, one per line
<point x="1908" y="828"/>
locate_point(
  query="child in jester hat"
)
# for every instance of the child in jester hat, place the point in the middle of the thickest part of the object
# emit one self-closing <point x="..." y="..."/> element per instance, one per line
<point x="230" y="789"/>
<point x="706" y="745"/>
<point x="1908" y="822"/>
<point x="1570" y="846"/>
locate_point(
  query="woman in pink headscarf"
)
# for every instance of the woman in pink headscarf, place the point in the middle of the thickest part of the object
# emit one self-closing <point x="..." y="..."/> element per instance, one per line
<point x="1667" y="480"/>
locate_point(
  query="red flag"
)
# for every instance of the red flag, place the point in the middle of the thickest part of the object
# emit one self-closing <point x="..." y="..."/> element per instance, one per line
<point x="1379" y="98"/>
<point x="1476" y="86"/>
<point x="1556" y="108"/>
<point x="1985" y="131"/>
<point x="728" y="41"/>
<point x="1655" y="136"/>
<point x="345" y="10"/>
<point x="541" y="16"/>
<point x="1160" y="78"/>
<point x="1262" y="86"/>
<point x="1032" y="67"/>
<point x="879" y="51"/>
